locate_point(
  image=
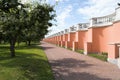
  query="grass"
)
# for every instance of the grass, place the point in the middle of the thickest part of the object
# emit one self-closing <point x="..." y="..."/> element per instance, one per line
<point x="102" y="57"/>
<point x="80" y="51"/>
<point x="63" y="46"/>
<point x="30" y="63"/>
<point x="69" y="49"/>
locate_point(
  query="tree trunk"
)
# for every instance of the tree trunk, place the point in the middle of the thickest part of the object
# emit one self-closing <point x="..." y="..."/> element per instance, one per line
<point x="12" y="47"/>
<point x="29" y="42"/>
<point x="0" y="41"/>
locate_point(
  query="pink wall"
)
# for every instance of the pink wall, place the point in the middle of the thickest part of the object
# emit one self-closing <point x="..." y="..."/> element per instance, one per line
<point x="104" y="36"/>
<point x="101" y="39"/>
<point x="61" y="37"/>
<point x="116" y="32"/>
<point x="72" y="38"/>
<point x="98" y="39"/>
<point x="82" y="38"/>
<point x="66" y="37"/>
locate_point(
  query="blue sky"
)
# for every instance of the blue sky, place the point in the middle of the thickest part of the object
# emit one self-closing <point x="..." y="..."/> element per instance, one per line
<point x="72" y="12"/>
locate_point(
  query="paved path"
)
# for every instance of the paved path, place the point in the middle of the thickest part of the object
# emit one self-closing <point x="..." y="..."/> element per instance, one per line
<point x="69" y="65"/>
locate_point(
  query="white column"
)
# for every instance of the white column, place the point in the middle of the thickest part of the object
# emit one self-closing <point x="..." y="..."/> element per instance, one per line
<point x="73" y="48"/>
<point x="117" y="14"/>
<point x="91" y="22"/>
<point x="119" y="57"/>
<point x="77" y="27"/>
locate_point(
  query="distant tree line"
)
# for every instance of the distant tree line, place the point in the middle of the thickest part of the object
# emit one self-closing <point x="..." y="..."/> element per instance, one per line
<point x="24" y="22"/>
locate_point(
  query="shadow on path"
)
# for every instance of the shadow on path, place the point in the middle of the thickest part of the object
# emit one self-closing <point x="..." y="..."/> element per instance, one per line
<point x="66" y="69"/>
<point x="67" y="65"/>
<point x="45" y="48"/>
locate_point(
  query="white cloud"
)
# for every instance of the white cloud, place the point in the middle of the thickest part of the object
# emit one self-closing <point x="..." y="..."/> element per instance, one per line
<point x="62" y="16"/>
<point x="97" y="8"/>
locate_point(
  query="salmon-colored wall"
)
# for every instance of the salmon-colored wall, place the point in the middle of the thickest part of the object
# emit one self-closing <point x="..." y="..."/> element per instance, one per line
<point x="72" y="36"/>
<point x="66" y="37"/>
<point x="113" y="52"/>
<point x="104" y="36"/>
<point x="116" y="32"/>
<point x="82" y="38"/>
<point x="101" y="39"/>
<point x="89" y="35"/>
<point x="72" y="39"/>
<point x="58" y="38"/>
<point x="61" y="37"/>
<point x="98" y="39"/>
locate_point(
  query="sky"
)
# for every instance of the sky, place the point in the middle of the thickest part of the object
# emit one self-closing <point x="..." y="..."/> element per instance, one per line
<point x="72" y="12"/>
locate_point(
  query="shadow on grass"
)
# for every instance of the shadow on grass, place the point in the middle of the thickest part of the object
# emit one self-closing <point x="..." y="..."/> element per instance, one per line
<point x="32" y="66"/>
<point x="72" y="69"/>
<point x="4" y="52"/>
<point x="4" y="48"/>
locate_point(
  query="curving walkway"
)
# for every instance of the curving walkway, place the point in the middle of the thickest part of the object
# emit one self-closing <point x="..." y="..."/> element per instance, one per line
<point x="69" y="65"/>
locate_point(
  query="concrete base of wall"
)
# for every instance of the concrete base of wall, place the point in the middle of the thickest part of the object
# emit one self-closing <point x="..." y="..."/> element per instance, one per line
<point x="85" y="53"/>
<point x="66" y="44"/>
<point x="113" y="61"/>
<point x="118" y="63"/>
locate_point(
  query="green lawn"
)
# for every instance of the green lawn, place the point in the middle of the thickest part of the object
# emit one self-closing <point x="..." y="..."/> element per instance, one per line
<point x="99" y="56"/>
<point x="80" y="51"/>
<point x="30" y="63"/>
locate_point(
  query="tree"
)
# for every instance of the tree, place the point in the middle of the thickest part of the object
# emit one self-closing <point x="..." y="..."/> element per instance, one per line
<point x="18" y="22"/>
<point x="118" y="4"/>
<point x="39" y="21"/>
<point x="12" y="15"/>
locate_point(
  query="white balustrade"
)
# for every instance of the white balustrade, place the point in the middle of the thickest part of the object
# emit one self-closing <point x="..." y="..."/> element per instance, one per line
<point x="117" y="18"/>
<point x="72" y="29"/>
<point x="59" y="33"/>
<point x="66" y="31"/>
<point x="82" y="26"/>
<point x="101" y="21"/>
<point x="62" y="32"/>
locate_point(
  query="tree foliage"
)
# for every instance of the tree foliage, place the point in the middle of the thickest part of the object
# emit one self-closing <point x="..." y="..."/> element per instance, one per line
<point x="20" y="22"/>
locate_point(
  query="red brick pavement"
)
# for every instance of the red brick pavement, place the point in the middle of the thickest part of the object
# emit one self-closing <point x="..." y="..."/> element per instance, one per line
<point x="69" y="65"/>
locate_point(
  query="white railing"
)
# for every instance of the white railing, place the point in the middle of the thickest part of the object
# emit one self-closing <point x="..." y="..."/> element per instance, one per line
<point x="105" y="20"/>
<point x="66" y="31"/>
<point x="117" y="11"/>
<point x="72" y="29"/>
<point x="55" y="34"/>
<point x="62" y="32"/>
<point x="59" y="33"/>
<point x="82" y="26"/>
